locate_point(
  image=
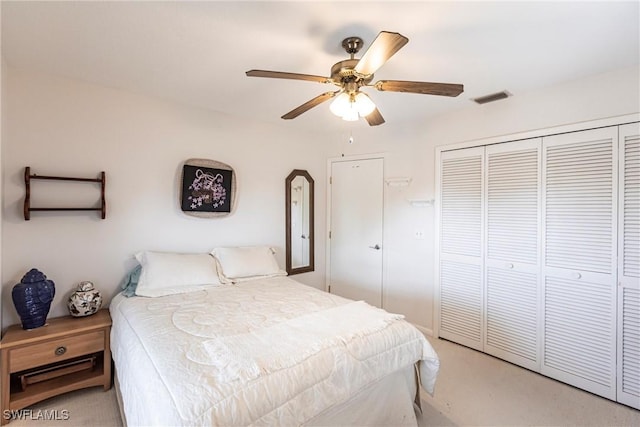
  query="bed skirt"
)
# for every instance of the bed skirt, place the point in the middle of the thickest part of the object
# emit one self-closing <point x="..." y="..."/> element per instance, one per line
<point x="392" y="401"/>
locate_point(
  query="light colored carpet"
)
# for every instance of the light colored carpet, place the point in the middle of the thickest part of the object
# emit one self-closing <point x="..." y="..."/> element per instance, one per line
<point x="473" y="389"/>
<point x="91" y="407"/>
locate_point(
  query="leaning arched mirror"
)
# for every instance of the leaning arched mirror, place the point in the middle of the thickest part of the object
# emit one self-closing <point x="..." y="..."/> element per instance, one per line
<point x="299" y="217"/>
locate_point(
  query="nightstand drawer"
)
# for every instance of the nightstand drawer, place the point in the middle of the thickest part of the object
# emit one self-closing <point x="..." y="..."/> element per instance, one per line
<point x="55" y="350"/>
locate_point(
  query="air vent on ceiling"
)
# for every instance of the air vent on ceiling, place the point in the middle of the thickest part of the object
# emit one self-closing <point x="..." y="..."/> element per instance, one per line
<point x="492" y="97"/>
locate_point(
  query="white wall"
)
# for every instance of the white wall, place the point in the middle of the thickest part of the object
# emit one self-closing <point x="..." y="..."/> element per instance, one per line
<point x="604" y="95"/>
<point x="69" y="128"/>
<point x="409" y="269"/>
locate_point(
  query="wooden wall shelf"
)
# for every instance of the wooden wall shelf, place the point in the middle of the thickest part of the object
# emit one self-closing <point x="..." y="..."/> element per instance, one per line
<point x="27" y="199"/>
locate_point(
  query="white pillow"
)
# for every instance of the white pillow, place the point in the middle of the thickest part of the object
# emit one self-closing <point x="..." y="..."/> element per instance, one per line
<point x="247" y="261"/>
<point x="280" y="273"/>
<point x="172" y="273"/>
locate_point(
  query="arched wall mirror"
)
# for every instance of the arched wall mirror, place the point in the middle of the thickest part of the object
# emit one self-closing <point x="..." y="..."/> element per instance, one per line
<point x="299" y="222"/>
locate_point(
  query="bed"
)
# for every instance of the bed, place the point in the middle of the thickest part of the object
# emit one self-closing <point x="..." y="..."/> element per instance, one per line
<point x="265" y="351"/>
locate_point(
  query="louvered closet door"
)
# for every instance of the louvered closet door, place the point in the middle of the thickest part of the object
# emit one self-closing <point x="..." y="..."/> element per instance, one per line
<point x="461" y="246"/>
<point x="579" y="289"/>
<point x="512" y="266"/>
<point x="629" y="267"/>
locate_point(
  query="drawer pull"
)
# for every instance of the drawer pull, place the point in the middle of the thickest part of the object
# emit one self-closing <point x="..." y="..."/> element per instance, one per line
<point x="61" y="350"/>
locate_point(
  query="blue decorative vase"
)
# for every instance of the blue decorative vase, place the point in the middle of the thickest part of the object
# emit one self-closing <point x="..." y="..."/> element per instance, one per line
<point x="32" y="298"/>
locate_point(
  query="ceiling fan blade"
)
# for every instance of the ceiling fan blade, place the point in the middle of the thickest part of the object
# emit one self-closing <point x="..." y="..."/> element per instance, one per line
<point x="425" y="88"/>
<point x="309" y="105"/>
<point x="382" y="48"/>
<point x="283" y="75"/>
<point x="375" y="118"/>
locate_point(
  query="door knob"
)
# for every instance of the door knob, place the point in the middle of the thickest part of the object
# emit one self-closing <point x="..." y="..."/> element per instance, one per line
<point x="376" y="247"/>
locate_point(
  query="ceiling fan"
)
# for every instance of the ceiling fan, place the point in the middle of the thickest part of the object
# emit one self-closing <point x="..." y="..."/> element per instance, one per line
<point x="353" y="74"/>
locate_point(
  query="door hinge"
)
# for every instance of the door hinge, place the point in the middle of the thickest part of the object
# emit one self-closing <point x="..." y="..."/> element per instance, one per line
<point x="330" y="180"/>
<point x="329" y="234"/>
<point x="329" y="288"/>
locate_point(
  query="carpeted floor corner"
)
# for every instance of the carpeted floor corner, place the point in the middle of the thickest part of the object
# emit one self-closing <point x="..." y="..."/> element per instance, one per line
<point x="91" y="407"/>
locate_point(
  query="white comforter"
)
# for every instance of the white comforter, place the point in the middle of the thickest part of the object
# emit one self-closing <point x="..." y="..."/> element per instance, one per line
<point x="272" y="352"/>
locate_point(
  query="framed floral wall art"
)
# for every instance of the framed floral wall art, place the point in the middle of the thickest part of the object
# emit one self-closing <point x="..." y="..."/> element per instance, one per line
<point x="207" y="188"/>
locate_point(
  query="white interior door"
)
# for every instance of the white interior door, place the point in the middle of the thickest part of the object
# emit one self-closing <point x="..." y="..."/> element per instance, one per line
<point x="460" y="268"/>
<point x="579" y="275"/>
<point x="629" y="267"/>
<point x="356" y="230"/>
<point x="512" y="265"/>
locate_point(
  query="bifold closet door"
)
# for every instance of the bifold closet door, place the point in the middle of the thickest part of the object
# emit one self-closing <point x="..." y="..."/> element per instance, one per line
<point x="629" y="267"/>
<point x="579" y="254"/>
<point x="460" y="268"/>
<point x="512" y="251"/>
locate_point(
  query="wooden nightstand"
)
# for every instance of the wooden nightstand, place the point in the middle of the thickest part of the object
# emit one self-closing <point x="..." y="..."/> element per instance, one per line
<point x="66" y="354"/>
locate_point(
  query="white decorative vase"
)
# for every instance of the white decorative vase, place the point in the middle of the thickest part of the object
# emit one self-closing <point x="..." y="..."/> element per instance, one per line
<point x="85" y="300"/>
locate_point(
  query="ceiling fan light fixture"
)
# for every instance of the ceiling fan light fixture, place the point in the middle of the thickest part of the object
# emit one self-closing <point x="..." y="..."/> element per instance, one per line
<point x="363" y="104"/>
<point x="350" y="116"/>
<point x="341" y="105"/>
<point x="350" y="75"/>
<point x="351" y="107"/>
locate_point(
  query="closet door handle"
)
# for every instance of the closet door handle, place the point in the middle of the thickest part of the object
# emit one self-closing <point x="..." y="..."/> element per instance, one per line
<point x="376" y="247"/>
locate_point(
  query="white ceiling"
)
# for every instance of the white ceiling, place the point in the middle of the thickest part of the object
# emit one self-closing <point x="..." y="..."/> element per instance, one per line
<point x="197" y="53"/>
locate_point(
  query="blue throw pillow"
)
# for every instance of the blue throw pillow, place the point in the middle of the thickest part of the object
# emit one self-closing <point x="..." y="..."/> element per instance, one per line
<point x="130" y="282"/>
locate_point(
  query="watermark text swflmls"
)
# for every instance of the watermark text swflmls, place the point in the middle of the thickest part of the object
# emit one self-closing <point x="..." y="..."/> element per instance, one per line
<point x="36" y="414"/>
